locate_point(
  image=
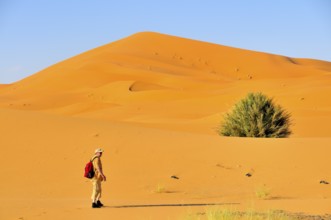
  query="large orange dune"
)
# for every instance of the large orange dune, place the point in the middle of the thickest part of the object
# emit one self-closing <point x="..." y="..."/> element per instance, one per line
<point x="154" y="102"/>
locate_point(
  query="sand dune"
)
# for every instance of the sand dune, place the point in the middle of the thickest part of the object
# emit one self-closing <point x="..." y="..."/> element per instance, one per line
<point x="153" y="102"/>
<point x="145" y="70"/>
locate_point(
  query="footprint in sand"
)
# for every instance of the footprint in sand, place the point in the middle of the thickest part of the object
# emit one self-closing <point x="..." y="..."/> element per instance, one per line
<point x="96" y="135"/>
<point x="223" y="166"/>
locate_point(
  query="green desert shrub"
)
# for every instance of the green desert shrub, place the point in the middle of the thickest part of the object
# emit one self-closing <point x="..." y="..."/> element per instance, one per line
<point x="256" y="116"/>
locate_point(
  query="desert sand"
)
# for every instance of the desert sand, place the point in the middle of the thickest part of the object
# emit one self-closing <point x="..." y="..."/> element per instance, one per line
<point x="154" y="102"/>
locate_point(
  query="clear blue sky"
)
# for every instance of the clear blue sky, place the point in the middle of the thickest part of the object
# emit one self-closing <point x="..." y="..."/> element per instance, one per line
<point x="35" y="34"/>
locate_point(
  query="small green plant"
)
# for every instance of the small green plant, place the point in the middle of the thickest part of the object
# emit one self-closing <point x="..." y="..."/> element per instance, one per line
<point x="256" y="116"/>
<point x="263" y="192"/>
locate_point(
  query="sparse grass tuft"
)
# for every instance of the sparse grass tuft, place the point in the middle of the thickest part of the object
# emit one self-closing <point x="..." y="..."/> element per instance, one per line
<point x="263" y="192"/>
<point x="228" y="214"/>
<point x="160" y="189"/>
<point x="213" y="213"/>
<point x="256" y="116"/>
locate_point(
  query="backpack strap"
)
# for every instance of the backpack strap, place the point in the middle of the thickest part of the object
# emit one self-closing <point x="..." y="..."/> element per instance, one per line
<point x="93" y="158"/>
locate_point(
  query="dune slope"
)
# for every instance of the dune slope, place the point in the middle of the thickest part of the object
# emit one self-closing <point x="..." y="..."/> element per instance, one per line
<point x="142" y="77"/>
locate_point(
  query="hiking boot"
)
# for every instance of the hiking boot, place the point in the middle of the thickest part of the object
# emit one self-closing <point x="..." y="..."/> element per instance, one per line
<point x="99" y="203"/>
<point x="95" y="205"/>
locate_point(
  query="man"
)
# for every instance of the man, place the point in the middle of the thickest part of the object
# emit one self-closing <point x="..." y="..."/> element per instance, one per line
<point x="97" y="179"/>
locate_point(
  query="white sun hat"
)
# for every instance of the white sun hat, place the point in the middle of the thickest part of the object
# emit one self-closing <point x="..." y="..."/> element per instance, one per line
<point x="99" y="150"/>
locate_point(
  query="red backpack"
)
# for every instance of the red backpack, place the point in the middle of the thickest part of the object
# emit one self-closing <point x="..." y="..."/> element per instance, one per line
<point x="89" y="169"/>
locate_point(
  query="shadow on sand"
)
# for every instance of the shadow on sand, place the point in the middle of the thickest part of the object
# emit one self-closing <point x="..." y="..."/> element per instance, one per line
<point x="170" y="205"/>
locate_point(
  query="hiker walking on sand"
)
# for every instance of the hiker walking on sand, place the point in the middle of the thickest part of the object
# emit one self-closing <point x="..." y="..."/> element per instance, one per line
<point x="97" y="179"/>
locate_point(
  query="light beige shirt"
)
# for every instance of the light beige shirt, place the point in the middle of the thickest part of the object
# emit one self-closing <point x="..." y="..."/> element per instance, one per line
<point x="97" y="165"/>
